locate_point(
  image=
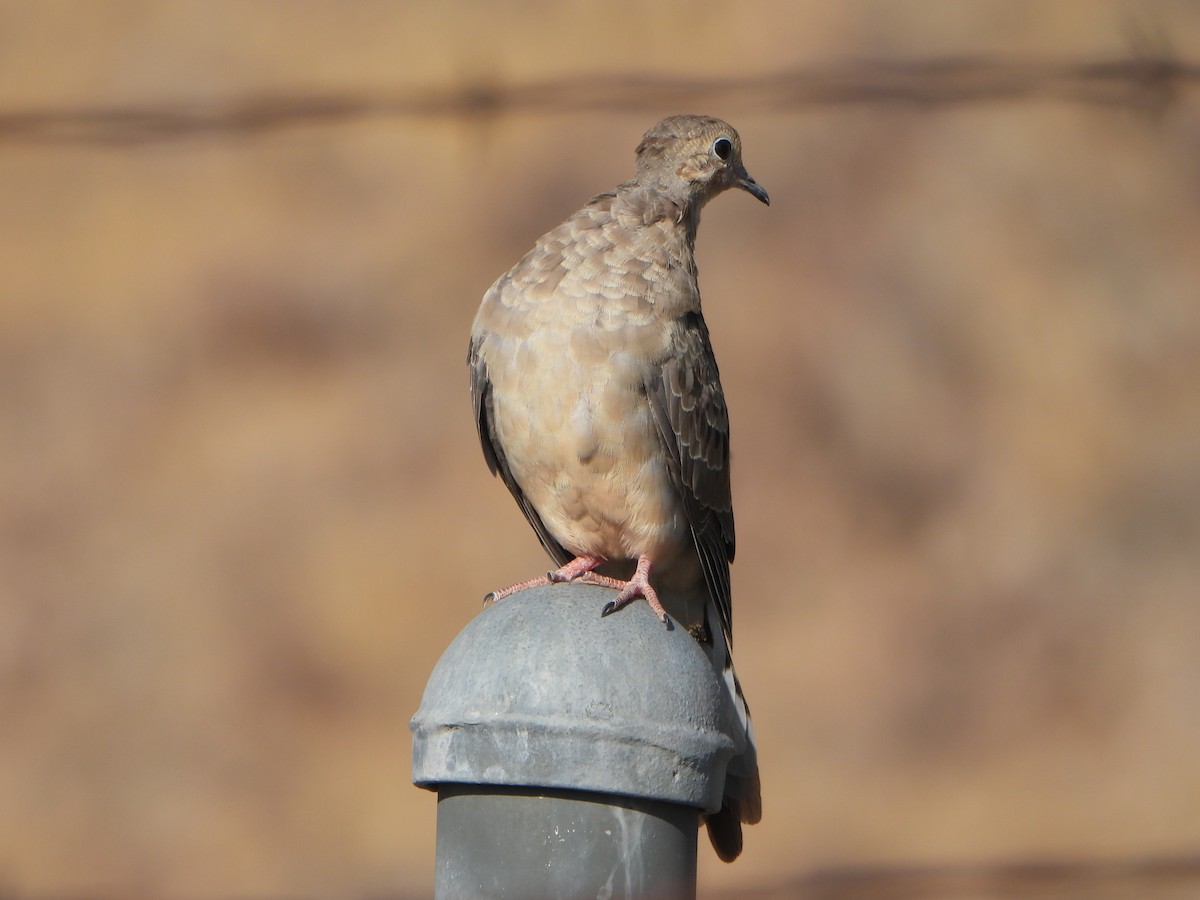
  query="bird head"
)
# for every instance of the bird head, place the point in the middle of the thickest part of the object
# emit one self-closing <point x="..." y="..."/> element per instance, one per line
<point x="696" y="156"/>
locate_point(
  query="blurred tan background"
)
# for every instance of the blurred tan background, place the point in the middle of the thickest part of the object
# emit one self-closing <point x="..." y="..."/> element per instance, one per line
<point x="243" y="509"/>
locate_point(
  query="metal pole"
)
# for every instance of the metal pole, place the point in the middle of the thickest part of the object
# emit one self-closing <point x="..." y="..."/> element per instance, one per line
<point x="572" y="754"/>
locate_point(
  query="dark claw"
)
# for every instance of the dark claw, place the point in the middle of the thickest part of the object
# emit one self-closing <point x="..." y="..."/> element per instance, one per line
<point x="610" y="607"/>
<point x="488" y="599"/>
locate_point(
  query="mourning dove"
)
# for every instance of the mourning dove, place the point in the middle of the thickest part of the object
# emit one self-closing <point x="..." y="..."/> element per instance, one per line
<point x="599" y="404"/>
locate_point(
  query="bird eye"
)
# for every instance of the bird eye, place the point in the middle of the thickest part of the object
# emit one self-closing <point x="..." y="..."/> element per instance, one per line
<point x="722" y="147"/>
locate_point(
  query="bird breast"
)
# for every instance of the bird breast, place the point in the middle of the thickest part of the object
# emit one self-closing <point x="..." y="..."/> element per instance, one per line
<point x="572" y="417"/>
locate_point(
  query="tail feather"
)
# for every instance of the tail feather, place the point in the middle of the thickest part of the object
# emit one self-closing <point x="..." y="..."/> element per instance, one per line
<point x="742" y="800"/>
<point x="725" y="833"/>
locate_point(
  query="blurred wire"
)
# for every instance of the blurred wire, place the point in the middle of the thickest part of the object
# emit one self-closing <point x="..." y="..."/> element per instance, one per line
<point x="1145" y="83"/>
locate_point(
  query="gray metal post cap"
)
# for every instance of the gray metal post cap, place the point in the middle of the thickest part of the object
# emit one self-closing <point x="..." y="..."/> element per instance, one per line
<point x="539" y="690"/>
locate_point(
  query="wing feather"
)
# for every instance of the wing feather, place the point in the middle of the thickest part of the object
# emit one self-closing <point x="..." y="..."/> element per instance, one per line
<point x="693" y="423"/>
<point x="493" y="451"/>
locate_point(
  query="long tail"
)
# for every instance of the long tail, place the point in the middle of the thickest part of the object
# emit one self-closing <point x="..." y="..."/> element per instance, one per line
<point x="742" y="802"/>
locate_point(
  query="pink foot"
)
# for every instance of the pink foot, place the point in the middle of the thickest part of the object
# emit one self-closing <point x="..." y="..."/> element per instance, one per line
<point x="579" y="566"/>
<point x="637" y="586"/>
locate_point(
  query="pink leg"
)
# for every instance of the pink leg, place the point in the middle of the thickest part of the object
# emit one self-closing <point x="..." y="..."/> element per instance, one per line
<point x="580" y="565"/>
<point x="637" y="586"/>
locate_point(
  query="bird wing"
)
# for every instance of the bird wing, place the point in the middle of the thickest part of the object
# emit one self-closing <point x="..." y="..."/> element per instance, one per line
<point x="493" y="451"/>
<point x="693" y="423"/>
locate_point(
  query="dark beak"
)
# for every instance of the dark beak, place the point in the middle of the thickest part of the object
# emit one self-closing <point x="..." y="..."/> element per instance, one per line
<point x="743" y="180"/>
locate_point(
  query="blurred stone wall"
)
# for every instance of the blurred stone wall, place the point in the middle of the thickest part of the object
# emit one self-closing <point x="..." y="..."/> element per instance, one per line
<point x="242" y="505"/>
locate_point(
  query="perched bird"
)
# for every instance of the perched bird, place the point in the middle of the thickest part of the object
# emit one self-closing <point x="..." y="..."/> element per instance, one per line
<point x="598" y="403"/>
